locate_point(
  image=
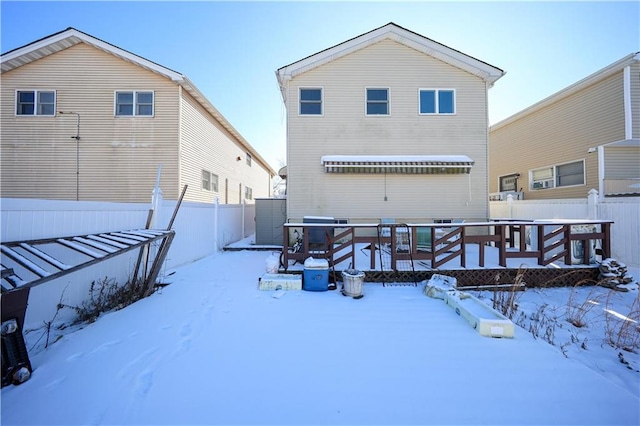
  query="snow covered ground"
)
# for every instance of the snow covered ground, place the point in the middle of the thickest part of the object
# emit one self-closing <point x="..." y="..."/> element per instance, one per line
<point x="211" y="348"/>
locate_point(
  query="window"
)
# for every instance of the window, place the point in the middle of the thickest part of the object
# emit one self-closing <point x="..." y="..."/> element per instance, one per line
<point x="248" y="193"/>
<point x="35" y="102"/>
<point x="442" y="220"/>
<point x="209" y="181"/>
<point x="569" y="174"/>
<point x="509" y="183"/>
<point x="214" y="182"/>
<point x="310" y="101"/>
<point x="206" y="180"/>
<point x="377" y="102"/>
<point x="248" y="159"/>
<point x="134" y="104"/>
<point x="437" y="101"/>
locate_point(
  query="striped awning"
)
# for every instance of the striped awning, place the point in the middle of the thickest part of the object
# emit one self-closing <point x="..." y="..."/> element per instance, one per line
<point x="398" y="164"/>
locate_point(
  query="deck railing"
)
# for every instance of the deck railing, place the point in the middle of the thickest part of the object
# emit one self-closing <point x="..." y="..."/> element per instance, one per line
<point x="544" y="241"/>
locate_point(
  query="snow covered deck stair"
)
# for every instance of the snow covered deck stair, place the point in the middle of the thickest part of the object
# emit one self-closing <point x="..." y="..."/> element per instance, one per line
<point x="486" y="320"/>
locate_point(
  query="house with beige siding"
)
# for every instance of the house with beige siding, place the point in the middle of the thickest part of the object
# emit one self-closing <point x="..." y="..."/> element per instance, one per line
<point x="389" y="124"/>
<point x="582" y="137"/>
<point x="85" y="120"/>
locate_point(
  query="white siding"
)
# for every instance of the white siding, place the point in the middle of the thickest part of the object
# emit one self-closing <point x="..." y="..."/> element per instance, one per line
<point x="345" y="129"/>
<point x="118" y="156"/>
<point x="206" y="145"/>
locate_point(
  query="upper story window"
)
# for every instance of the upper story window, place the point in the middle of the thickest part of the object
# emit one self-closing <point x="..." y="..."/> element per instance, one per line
<point x="134" y="103"/>
<point x="437" y="101"/>
<point x="36" y="102"/>
<point x="377" y="101"/>
<point x="569" y="174"/>
<point x="209" y="181"/>
<point x="248" y="159"/>
<point x="310" y="101"/>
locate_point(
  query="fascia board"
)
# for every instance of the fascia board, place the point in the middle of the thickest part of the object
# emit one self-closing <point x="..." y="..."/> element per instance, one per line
<point x="71" y="37"/>
<point x="400" y="35"/>
<point x="605" y="72"/>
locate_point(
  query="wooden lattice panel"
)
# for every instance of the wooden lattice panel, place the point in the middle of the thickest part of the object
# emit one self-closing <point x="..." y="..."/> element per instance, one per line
<point x="531" y="277"/>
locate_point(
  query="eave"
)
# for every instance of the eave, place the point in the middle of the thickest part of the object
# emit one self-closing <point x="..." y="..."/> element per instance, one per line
<point x="391" y="31"/>
<point x="71" y="37"/>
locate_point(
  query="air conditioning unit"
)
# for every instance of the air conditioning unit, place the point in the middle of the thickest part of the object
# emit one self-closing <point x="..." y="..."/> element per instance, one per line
<point x="543" y="184"/>
<point x="502" y="196"/>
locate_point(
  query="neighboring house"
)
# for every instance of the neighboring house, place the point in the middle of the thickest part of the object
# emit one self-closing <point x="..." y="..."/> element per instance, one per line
<point x="85" y="120"/>
<point x="582" y="137"/>
<point x="389" y="124"/>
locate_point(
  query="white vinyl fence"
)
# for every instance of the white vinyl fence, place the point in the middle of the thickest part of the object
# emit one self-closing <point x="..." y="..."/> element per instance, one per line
<point x="623" y="211"/>
<point x="201" y="230"/>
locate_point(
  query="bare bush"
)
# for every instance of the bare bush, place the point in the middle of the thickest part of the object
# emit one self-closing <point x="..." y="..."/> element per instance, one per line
<point x="506" y="301"/>
<point x="623" y="331"/>
<point x="577" y="311"/>
<point x="106" y="295"/>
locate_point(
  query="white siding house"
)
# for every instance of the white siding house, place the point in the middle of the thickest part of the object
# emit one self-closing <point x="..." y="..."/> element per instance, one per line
<point x="389" y="124"/>
<point x="85" y="120"/>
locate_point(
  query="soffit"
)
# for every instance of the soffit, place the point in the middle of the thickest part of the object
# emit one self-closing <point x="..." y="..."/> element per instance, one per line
<point x="398" y="34"/>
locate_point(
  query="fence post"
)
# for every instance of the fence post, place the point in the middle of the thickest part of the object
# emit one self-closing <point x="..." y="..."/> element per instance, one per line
<point x="592" y="204"/>
<point x="510" y="205"/>
<point x="156" y="202"/>
<point x="244" y="203"/>
<point x="216" y="206"/>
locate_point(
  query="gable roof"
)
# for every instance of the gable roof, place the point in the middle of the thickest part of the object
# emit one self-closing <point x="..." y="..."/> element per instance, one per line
<point x="70" y="37"/>
<point x="398" y="34"/>
<point x="597" y="76"/>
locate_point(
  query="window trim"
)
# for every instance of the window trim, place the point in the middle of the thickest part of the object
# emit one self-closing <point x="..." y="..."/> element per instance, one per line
<point x="437" y="100"/>
<point x="366" y="101"/>
<point x="135" y="105"/>
<point x="300" y="89"/>
<point x="36" y="103"/>
<point x="552" y="182"/>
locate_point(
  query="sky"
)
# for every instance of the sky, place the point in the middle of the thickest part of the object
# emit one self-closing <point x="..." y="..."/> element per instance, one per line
<point x="215" y="349"/>
<point x="231" y="50"/>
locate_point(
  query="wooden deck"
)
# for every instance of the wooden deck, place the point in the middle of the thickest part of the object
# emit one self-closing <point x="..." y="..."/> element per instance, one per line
<point x="480" y="253"/>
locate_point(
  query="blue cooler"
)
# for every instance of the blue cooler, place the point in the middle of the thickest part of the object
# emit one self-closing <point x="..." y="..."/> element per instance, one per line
<point x="316" y="275"/>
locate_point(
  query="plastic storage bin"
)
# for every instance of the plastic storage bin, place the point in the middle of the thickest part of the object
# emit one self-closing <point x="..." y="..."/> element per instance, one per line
<point x="352" y="283"/>
<point x="316" y="275"/>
